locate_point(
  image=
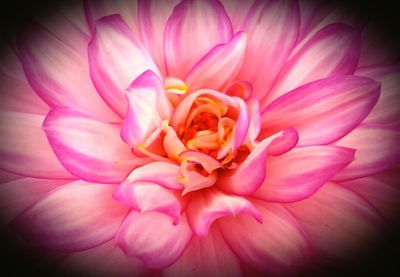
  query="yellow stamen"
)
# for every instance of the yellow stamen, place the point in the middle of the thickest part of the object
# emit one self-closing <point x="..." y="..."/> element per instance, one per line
<point x="175" y="85"/>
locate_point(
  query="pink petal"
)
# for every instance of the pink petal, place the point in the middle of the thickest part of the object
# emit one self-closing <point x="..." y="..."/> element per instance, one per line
<point x="377" y="149"/>
<point x="219" y="66"/>
<point x="96" y="9"/>
<point x="146" y="196"/>
<point x="241" y="89"/>
<point x="272" y="28"/>
<point x="152" y="19"/>
<point x="207" y="256"/>
<point x="7" y="176"/>
<point x="337" y="220"/>
<point x="242" y="124"/>
<point x="161" y="173"/>
<point x="193" y="29"/>
<point x="103" y="260"/>
<point x="59" y="74"/>
<point x="207" y="162"/>
<point x="116" y="58"/>
<point x="17" y="96"/>
<point x="332" y="51"/>
<point x="193" y="180"/>
<point x="152" y="238"/>
<point x="210" y="205"/>
<point x="324" y="110"/>
<point x="24" y="148"/>
<point x="387" y="111"/>
<point x="89" y="149"/>
<point x="383" y="196"/>
<point x="19" y="194"/>
<point x="251" y="172"/>
<point x="277" y="246"/>
<point x="73" y="217"/>
<point x="147" y="106"/>
<point x="306" y="170"/>
<point x="237" y="11"/>
<point x="255" y="121"/>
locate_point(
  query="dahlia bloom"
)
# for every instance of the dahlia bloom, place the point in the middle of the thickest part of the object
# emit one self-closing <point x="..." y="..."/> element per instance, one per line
<point x="198" y="137"/>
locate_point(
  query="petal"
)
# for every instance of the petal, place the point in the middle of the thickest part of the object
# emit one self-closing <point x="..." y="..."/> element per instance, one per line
<point x="103" y="260"/>
<point x="146" y="196"/>
<point x="255" y="121"/>
<point x="17" y="96"/>
<point x="383" y="196"/>
<point x="161" y="173"/>
<point x="219" y="66"/>
<point x="89" y="149"/>
<point x="386" y="112"/>
<point x="73" y="217"/>
<point x="251" y="172"/>
<point x="19" y="194"/>
<point x="324" y="110"/>
<point x="193" y="180"/>
<point x="272" y="29"/>
<point x="147" y="106"/>
<point x="152" y="238"/>
<point x="116" y="57"/>
<point x="242" y="124"/>
<point x="207" y="162"/>
<point x="152" y="19"/>
<point x="193" y="28"/>
<point x="306" y="170"/>
<point x="237" y="10"/>
<point x="276" y="246"/>
<point x="96" y="9"/>
<point x="377" y="149"/>
<point x="24" y="148"/>
<point x="336" y="220"/>
<point x="59" y="74"/>
<point x="207" y="256"/>
<point x="208" y="206"/>
<point x="332" y="51"/>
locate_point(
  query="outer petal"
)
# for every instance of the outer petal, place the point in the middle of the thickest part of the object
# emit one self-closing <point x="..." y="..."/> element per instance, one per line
<point x="88" y="148"/>
<point x="337" y="220"/>
<point x="208" y="256"/>
<point x="19" y="194"/>
<point x="94" y="10"/>
<point x="387" y="110"/>
<point x="377" y="149"/>
<point x="104" y="260"/>
<point x="383" y="196"/>
<point x="194" y="27"/>
<point x="116" y="58"/>
<point x="204" y="208"/>
<point x="322" y="111"/>
<point x="276" y="246"/>
<point x="332" y="51"/>
<point x="251" y="172"/>
<point x="24" y="148"/>
<point x="153" y="238"/>
<point x="161" y="173"/>
<point x="237" y="11"/>
<point x="147" y="106"/>
<point x="219" y="66"/>
<point x="152" y="19"/>
<point x="65" y="220"/>
<point x="272" y="27"/>
<point x="59" y="74"/>
<point x="306" y="170"/>
<point x="146" y="196"/>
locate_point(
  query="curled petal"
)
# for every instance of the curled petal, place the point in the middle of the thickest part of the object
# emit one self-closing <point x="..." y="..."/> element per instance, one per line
<point x="219" y="66"/>
<point x="322" y="111"/>
<point x="377" y="149"/>
<point x="255" y="121"/>
<point x="251" y="172"/>
<point x="116" y="57"/>
<point x="275" y="246"/>
<point x="65" y="220"/>
<point x="172" y="144"/>
<point x="146" y="196"/>
<point x="207" y="162"/>
<point x="306" y="170"/>
<point x="193" y="180"/>
<point x="161" y="173"/>
<point x="203" y="209"/>
<point x="241" y="89"/>
<point x="88" y="148"/>
<point x="188" y="35"/>
<point x="152" y="238"/>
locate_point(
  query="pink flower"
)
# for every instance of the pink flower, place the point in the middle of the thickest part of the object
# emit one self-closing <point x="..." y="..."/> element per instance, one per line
<point x="198" y="137"/>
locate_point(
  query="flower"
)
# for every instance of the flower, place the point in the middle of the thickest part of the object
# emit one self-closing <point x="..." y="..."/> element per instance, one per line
<point x="198" y="137"/>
